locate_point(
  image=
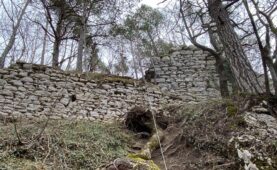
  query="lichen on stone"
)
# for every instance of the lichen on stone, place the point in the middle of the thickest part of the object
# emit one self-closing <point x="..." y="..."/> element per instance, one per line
<point x="140" y="163"/>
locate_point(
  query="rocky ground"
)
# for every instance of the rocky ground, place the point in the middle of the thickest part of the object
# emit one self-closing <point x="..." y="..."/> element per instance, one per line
<point x="239" y="133"/>
<point x="223" y="135"/>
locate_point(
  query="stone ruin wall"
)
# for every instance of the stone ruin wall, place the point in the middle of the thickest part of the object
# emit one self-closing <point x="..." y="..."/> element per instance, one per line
<point x="29" y="90"/>
<point x="189" y="72"/>
<point x="33" y="91"/>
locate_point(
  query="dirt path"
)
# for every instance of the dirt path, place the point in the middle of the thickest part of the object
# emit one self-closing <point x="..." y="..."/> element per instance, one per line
<point x="180" y="155"/>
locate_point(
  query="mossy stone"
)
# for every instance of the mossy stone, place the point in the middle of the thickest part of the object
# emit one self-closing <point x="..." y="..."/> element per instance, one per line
<point x="140" y="163"/>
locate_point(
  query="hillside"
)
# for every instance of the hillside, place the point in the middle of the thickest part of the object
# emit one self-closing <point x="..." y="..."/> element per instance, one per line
<point x="60" y="144"/>
<point x="227" y="134"/>
<point x="237" y="133"/>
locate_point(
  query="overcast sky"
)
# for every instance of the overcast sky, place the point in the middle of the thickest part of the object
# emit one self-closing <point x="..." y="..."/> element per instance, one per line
<point x="152" y="3"/>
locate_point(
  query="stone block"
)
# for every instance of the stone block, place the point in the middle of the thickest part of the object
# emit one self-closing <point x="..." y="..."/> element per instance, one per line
<point x="3" y="71"/>
<point x="27" y="80"/>
<point x="27" y="66"/>
<point x="22" y="74"/>
<point x="17" y="83"/>
<point x="106" y="86"/>
<point x="3" y="82"/>
<point x="6" y="93"/>
<point x="65" y="101"/>
<point x="160" y="80"/>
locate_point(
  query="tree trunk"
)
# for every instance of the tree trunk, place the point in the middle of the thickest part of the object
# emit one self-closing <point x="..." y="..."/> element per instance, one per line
<point x="44" y="45"/>
<point x="57" y="44"/>
<point x="273" y="73"/>
<point x="13" y="36"/>
<point x="34" y="49"/>
<point x="139" y="59"/>
<point x="70" y="56"/>
<point x="93" y="58"/>
<point x="23" y="50"/>
<point x="80" y="51"/>
<point x="265" y="50"/>
<point x="56" y="52"/>
<point x="275" y="66"/>
<point x="82" y="40"/>
<point x="141" y="68"/>
<point x="64" y="52"/>
<point x="153" y="44"/>
<point x="241" y="68"/>
<point x="134" y="59"/>
<point x="223" y="78"/>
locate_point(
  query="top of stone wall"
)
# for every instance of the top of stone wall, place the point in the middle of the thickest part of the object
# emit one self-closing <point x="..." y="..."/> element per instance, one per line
<point x="82" y="77"/>
<point x="184" y="49"/>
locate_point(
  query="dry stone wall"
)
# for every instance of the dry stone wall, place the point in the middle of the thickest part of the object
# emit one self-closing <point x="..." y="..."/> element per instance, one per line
<point x="189" y="72"/>
<point x="29" y="90"/>
<point x="32" y="91"/>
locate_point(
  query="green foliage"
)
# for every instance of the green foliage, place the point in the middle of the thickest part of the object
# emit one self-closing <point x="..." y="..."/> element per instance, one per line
<point x="142" y="29"/>
<point x="144" y="20"/>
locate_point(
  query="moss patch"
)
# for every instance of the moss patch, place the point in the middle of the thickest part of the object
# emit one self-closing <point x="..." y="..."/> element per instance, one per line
<point x="231" y="109"/>
<point x="140" y="163"/>
<point x="105" y="78"/>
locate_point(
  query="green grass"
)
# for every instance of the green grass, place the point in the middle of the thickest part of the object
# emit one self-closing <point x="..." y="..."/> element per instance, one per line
<point x="63" y="145"/>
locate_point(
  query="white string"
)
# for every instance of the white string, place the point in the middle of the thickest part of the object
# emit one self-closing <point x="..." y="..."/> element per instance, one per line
<point x="156" y="128"/>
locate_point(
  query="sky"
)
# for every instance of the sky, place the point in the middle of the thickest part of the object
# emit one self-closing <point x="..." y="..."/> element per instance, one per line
<point x="152" y="3"/>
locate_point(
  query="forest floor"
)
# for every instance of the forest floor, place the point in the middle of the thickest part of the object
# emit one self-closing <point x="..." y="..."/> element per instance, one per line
<point x="60" y="144"/>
